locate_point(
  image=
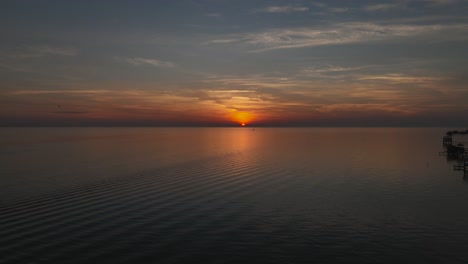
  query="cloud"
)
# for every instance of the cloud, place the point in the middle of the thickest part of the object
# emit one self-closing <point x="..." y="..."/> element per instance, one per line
<point x="366" y="84"/>
<point x="147" y="61"/>
<point x="381" y="7"/>
<point x="405" y="4"/>
<point x="441" y="2"/>
<point x="213" y="15"/>
<point x="331" y="69"/>
<point x="337" y="10"/>
<point x="281" y="9"/>
<point x="343" y="33"/>
<point x="401" y="78"/>
<point x="267" y="95"/>
<point x="44" y="50"/>
<point x="39" y="92"/>
<point x="71" y="112"/>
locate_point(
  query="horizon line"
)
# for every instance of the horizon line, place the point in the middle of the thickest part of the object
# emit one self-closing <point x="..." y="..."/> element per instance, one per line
<point x="230" y="126"/>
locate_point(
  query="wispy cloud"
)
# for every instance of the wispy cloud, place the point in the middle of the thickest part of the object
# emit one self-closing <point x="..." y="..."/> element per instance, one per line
<point x="146" y="61"/>
<point x="398" y="77"/>
<point x="70" y="112"/>
<point x="39" y="92"/>
<point x="44" y="50"/>
<point x="406" y="4"/>
<point x="381" y="7"/>
<point x="281" y="9"/>
<point x="337" y="34"/>
<point x="213" y="15"/>
<point x="364" y="84"/>
<point x="338" y="10"/>
<point x="442" y="2"/>
<point x="330" y="69"/>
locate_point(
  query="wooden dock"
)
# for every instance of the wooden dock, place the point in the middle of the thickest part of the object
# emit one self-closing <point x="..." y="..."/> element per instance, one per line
<point x="463" y="166"/>
<point x="456" y="152"/>
<point x="447" y="140"/>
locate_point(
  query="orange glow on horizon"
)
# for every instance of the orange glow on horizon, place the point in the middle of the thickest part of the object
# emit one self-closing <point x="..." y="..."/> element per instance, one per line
<point x="243" y="118"/>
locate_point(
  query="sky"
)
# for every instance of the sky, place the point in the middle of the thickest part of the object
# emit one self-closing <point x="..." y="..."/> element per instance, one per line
<point x="228" y="62"/>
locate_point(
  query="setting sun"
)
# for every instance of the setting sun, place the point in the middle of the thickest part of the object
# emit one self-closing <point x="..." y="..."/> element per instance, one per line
<point x="242" y="118"/>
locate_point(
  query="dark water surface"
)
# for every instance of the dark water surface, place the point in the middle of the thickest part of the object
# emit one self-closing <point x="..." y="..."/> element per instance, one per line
<point x="230" y="195"/>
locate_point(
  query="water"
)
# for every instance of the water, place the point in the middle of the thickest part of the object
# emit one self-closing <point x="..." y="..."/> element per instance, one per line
<point x="230" y="195"/>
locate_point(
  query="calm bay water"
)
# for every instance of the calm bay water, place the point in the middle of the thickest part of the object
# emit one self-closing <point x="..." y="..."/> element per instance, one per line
<point x="230" y="195"/>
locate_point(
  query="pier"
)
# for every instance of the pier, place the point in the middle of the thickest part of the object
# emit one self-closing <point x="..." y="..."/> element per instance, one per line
<point x="456" y="152"/>
<point x="463" y="166"/>
<point x="447" y="140"/>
